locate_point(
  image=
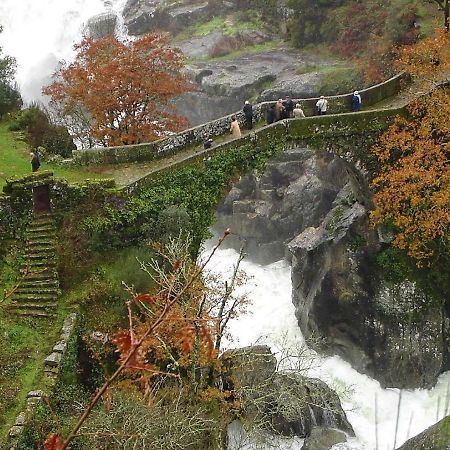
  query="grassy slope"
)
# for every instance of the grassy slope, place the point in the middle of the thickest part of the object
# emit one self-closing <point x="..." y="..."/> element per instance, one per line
<point x="15" y="160"/>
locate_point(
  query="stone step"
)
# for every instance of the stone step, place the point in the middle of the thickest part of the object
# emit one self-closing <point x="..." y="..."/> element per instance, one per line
<point x="41" y="240"/>
<point x="40" y="228"/>
<point x="41" y="222"/>
<point x="43" y="255"/>
<point x="46" y="252"/>
<point x="27" y="290"/>
<point x="34" y="297"/>
<point x="38" y="247"/>
<point x="39" y="264"/>
<point x="45" y="275"/>
<point x="38" y="306"/>
<point x="34" y="313"/>
<point x="41" y="284"/>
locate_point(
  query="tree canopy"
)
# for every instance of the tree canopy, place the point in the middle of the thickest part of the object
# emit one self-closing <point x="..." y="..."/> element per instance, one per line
<point x="413" y="184"/>
<point x="119" y="92"/>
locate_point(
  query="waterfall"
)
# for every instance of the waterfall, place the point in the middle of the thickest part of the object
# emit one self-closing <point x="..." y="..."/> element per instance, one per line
<point x="39" y="34"/>
<point x="271" y="320"/>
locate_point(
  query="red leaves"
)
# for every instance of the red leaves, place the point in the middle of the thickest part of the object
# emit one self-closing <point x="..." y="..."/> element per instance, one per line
<point x="145" y="298"/>
<point x="125" y="86"/>
<point x="187" y="336"/>
<point x="53" y="442"/>
<point x="122" y="341"/>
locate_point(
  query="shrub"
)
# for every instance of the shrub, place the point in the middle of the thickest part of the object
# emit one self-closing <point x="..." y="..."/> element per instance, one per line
<point x="42" y="133"/>
<point x="58" y="141"/>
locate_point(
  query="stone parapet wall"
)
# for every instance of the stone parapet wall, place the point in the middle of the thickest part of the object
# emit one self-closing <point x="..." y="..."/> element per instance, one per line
<point x="193" y="136"/>
<point x="347" y="135"/>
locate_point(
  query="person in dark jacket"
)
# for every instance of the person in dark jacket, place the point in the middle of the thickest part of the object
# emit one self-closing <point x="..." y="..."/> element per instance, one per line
<point x="208" y="143"/>
<point x="35" y="163"/>
<point x="356" y="101"/>
<point x="248" y="112"/>
<point x="271" y="115"/>
<point x="288" y="107"/>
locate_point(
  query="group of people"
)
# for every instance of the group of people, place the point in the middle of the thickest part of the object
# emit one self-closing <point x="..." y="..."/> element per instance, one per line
<point x="282" y="109"/>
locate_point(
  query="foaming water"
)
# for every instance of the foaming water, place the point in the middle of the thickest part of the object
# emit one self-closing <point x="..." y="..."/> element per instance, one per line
<point x="41" y="33"/>
<point x="271" y="320"/>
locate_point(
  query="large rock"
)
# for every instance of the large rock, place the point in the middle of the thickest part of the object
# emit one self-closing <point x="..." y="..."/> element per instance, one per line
<point x="296" y="191"/>
<point x="437" y="437"/>
<point x="323" y="439"/>
<point x="101" y="25"/>
<point x="223" y="85"/>
<point x="316" y="205"/>
<point x="395" y="332"/>
<point x="143" y="16"/>
<point x="282" y="402"/>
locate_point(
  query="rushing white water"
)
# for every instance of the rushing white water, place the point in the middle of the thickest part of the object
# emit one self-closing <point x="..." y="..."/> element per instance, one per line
<point x="40" y="33"/>
<point x="271" y="320"/>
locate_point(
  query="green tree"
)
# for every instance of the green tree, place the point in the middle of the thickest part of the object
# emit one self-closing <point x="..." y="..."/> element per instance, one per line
<point x="444" y="6"/>
<point x="10" y="99"/>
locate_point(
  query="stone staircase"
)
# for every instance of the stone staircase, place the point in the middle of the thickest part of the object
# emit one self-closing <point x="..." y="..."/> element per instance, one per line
<point x="38" y="288"/>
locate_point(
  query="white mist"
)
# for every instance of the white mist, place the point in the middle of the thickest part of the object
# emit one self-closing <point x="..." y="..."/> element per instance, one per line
<point x="40" y="33"/>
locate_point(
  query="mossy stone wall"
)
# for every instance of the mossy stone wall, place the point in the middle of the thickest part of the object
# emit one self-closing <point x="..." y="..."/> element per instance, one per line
<point x="193" y="136"/>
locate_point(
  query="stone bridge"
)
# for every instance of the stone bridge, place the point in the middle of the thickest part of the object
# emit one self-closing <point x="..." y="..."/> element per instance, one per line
<point x="336" y="131"/>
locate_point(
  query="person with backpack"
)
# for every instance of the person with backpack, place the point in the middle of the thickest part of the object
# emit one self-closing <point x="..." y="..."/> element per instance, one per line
<point x="356" y="101"/>
<point x="322" y="106"/>
<point x="288" y="107"/>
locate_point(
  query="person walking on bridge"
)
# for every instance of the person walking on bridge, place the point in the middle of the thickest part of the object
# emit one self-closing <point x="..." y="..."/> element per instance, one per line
<point x="322" y="106"/>
<point x="248" y="112"/>
<point x="298" y="111"/>
<point x="356" y="101"/>
<point x="235" y="130"/>
<point x="288" y="105"/>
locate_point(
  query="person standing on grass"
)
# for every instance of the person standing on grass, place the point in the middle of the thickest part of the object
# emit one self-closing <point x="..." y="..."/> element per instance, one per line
<point x="35" y="163"/>
<point x="235" y="130"/>
<point x="322" y="106"/>
<point x="248" y="112"/>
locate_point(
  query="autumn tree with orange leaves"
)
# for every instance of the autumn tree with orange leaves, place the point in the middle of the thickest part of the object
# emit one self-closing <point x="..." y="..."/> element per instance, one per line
<point x="119" y="92"/>
<point x="412" y="188"/>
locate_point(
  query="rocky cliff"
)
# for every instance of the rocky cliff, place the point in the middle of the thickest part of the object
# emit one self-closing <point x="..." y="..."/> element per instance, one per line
<point x="310" y="207"/>
<point x="224" y="63"/>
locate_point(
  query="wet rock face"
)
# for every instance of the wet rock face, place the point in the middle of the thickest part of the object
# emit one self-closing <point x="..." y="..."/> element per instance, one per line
<point x="224" y="85"/>
<point x="393" y="331"/>
<point x="283" y="402"/>
<point x="295" y="191"/>
<point x="143" y="16"/>
<point x="102" y="25"/>
<point x="309" y="207"/>
<point x="436" y="437"/>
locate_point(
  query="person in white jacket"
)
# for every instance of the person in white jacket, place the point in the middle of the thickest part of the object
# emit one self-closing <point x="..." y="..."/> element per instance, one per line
<point x="322" y="105"/>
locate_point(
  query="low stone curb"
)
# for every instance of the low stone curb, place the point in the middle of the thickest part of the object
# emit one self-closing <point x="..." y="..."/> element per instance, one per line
<point x="51" y="369"/>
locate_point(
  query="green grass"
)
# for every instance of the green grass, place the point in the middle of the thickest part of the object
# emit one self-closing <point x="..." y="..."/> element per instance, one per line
<point x="270" y="45"/>
<point x="15" y="160"/>
<point x="229" y="25"/>
<point x="25" y="344"/>
<point x="100" y="296"/>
